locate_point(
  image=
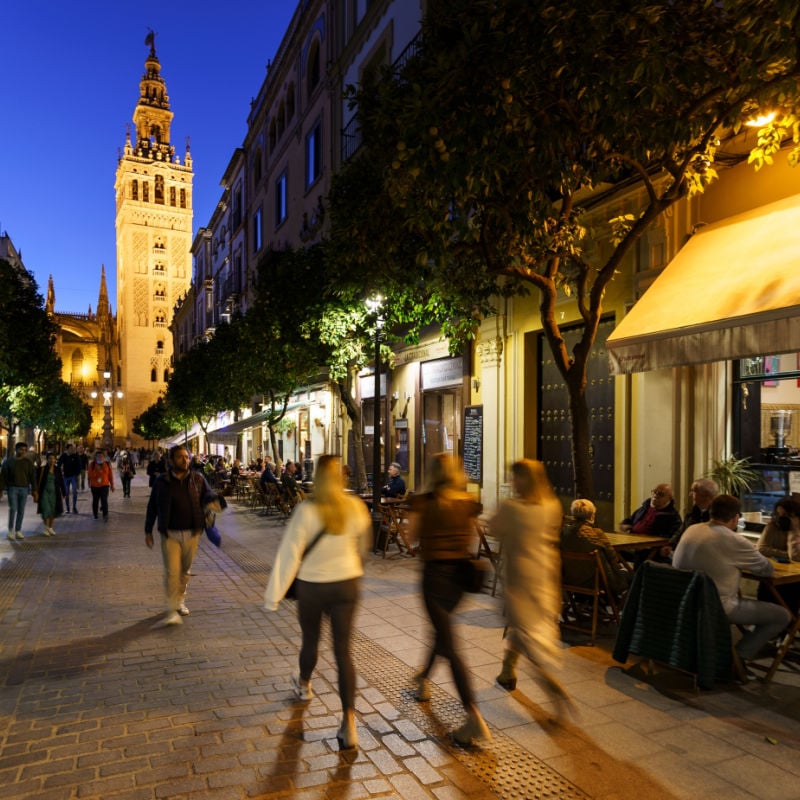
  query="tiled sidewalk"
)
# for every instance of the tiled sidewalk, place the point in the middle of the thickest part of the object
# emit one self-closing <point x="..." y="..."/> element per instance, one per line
<point x="98" y="701"/>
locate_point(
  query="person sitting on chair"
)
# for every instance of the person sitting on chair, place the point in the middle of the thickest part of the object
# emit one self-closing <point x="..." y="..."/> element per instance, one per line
<point x="395" y="486"/>
<point x="581" y="536"/>
<point x="714" y="547"/>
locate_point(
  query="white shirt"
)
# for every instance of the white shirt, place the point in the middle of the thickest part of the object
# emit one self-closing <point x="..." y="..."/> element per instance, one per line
<point x="722" y="554"/>
<point x="334" y="557"/>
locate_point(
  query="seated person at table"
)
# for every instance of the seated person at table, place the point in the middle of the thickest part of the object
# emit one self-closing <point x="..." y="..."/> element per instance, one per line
<point x="580" y="536"/>
<point x="267" y="476"/>
<point x="701" y="493"/>
<point x="780" y="540"/>
<point x="656" y="516"/>
<point x="714" y="547"/>
<point x="289" y="482"/>
<point x="395" y="486"/>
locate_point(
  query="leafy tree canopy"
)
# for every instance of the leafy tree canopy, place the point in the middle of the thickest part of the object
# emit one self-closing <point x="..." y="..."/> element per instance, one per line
<point x="482" y="156"/>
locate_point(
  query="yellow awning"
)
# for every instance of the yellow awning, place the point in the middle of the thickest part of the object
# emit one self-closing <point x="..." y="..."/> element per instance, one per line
<point x="733" y="291"/>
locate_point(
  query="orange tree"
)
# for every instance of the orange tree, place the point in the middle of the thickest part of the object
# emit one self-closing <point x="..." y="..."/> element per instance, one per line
<point x="514" y="118"/>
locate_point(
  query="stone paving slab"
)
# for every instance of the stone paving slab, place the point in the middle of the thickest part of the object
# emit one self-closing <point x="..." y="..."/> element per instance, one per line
<point x="98" y="700"/>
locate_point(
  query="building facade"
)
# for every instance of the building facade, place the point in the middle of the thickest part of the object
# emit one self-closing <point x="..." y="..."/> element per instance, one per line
<point x="154" y="236"/>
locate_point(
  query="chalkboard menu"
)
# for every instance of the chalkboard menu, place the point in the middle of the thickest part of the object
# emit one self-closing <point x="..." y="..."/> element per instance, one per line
<point x="473" y="443"/>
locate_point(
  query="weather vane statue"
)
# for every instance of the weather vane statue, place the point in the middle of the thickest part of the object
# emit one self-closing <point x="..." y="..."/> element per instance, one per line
<point x="150" y="40"/>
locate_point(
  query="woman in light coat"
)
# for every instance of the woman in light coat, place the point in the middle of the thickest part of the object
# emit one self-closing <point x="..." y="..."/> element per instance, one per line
<point x="328" y="579"/>
<point x="529" y="526"/>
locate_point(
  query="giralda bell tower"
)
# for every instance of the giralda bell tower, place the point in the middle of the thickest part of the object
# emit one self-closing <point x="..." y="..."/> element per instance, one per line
<point x="154" y="238"/>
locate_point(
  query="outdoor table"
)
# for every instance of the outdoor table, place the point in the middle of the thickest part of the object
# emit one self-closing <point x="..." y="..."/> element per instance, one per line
<point x="627" y="542"/>
<point x="783" y="574"/>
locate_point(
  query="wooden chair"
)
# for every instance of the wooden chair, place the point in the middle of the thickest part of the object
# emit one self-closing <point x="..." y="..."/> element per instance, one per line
<point x="392" y="531"/>
<point x="584" y="607"/>
<point x="493" y="550"/>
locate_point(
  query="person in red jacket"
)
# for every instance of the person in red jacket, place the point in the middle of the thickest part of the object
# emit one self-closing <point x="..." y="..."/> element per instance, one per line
<point x="101" y="479"/>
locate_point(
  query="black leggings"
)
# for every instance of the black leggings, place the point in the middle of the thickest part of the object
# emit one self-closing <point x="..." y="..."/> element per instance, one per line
<point x="338" y="600"/>
<point x="441" y="591"/>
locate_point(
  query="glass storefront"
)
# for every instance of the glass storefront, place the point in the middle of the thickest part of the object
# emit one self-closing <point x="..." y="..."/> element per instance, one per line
<point x="767" y="425"/>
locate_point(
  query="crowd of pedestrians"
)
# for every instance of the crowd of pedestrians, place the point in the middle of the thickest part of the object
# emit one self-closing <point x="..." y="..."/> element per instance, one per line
<point x="319" y="562"/>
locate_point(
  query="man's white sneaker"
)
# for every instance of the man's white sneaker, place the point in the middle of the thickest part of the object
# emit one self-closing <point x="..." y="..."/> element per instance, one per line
<point x="173" y="618"/>
<point x="19" y="535"/>
<point x="183" y="610"/>
<point x="10" y="536"/>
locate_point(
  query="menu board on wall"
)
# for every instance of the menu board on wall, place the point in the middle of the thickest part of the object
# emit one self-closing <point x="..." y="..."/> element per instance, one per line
<point x="473" y="443"/>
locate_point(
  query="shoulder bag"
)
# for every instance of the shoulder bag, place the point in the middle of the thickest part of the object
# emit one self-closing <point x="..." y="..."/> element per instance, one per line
<point x="291" y="591"/>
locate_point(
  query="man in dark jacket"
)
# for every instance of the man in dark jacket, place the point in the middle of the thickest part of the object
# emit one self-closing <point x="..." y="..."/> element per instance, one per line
<point x="70" y="465"/>
<point x="177" y="507"/>
<point x="657" y="516"/>
<point x="17" y="476"/>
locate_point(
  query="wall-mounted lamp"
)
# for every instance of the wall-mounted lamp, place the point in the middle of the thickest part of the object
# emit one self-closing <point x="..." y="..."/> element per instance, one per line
<point x="476" y="384"/>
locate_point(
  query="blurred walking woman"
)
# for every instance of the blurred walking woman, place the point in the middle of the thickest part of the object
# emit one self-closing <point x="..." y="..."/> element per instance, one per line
<point x="52" y="490"/>
<point x="444" y="522"/>
<point x="328" y="571"/>
<point x="529" y="527"/>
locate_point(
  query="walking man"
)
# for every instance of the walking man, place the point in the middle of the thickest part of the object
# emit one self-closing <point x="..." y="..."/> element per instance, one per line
<point x="70" y="464"/>
<point x="101" y="479"/>
<point x="177" y="507"/>
<point x="18" y="476"/>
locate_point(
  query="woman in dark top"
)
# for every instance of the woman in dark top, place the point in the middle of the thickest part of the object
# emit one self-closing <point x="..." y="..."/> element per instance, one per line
<point x="444" y="522"/>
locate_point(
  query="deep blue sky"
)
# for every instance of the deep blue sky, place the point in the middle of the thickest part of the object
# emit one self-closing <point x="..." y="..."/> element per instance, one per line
<point x="70" y="82"/>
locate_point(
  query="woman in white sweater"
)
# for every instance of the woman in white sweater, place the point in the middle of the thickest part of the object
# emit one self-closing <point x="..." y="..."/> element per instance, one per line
<point x="328" y="579"/>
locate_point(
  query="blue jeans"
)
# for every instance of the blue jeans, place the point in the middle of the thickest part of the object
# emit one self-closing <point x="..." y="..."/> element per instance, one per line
<point x="767" y="619"/>
<point x="73" y="482"/>
<point x="17" y="497"/>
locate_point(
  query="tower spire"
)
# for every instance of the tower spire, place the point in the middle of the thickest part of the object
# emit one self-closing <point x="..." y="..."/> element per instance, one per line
<point x="152" y="115"/>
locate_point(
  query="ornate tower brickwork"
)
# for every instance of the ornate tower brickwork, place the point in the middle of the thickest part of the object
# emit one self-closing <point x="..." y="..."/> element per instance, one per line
<point x="154" y="238"/>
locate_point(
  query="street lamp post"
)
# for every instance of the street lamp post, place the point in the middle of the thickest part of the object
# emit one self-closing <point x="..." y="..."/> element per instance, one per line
<point x="107" y="440"/>
<point x="374" y="306"/>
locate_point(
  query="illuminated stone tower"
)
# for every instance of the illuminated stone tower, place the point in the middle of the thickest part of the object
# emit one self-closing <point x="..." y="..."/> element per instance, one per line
<point x="154" y="237"/>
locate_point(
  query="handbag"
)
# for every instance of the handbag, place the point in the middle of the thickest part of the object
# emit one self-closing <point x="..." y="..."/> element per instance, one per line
<point x="473" y="574"/>
<point x="292" y="590"/>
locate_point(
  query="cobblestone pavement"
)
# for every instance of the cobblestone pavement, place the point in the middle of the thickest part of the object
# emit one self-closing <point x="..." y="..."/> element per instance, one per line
<point x="98" y="700"/>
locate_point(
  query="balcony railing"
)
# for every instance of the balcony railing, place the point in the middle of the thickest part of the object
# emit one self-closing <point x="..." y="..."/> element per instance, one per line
<point x="351" y="133"/>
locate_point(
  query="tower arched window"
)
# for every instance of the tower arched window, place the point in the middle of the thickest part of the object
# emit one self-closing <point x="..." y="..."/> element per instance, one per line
<point x="183" y="198"/>
<point x="134" y="189"/>
<point x="153" y="375"/>
<point x="166" y="375"/>
<point x="155" y="133"/>
<point x="172" y="196"/>
<point x="159" y="190"/>
<point x="313" y="68"/>
<point x="145" y="192"/>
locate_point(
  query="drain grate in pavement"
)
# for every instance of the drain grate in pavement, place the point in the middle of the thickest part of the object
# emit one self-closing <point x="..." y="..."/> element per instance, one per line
<point x="504" y="767"/>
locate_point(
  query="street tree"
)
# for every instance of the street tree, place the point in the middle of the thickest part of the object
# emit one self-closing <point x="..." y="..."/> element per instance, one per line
<point x="28" y="362"/>
<point x="514" y="119"/>
<point x="157" y="422"/>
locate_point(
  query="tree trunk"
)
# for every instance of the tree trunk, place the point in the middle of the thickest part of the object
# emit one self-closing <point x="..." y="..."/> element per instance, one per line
<point x="354" y="414"/>
<point x="581" y="442"/>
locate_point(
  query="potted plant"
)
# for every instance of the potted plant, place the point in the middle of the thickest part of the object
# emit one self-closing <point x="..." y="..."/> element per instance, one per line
<point x="734" y="476"/>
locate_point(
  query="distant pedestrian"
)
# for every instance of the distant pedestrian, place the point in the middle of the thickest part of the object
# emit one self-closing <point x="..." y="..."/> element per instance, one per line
<point x="323" y="547"/>
<point x="101" y="480"/>
<point x="126" y="472"/>
<point x="84" y="459"/>
<point x="70" y="466"/>
<point x="443" y="519"/>
<point x="179" y="501"/>
<point x="157" y="465"/>
<point x="18" y="476"/>
<point x="52" y="490"/>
